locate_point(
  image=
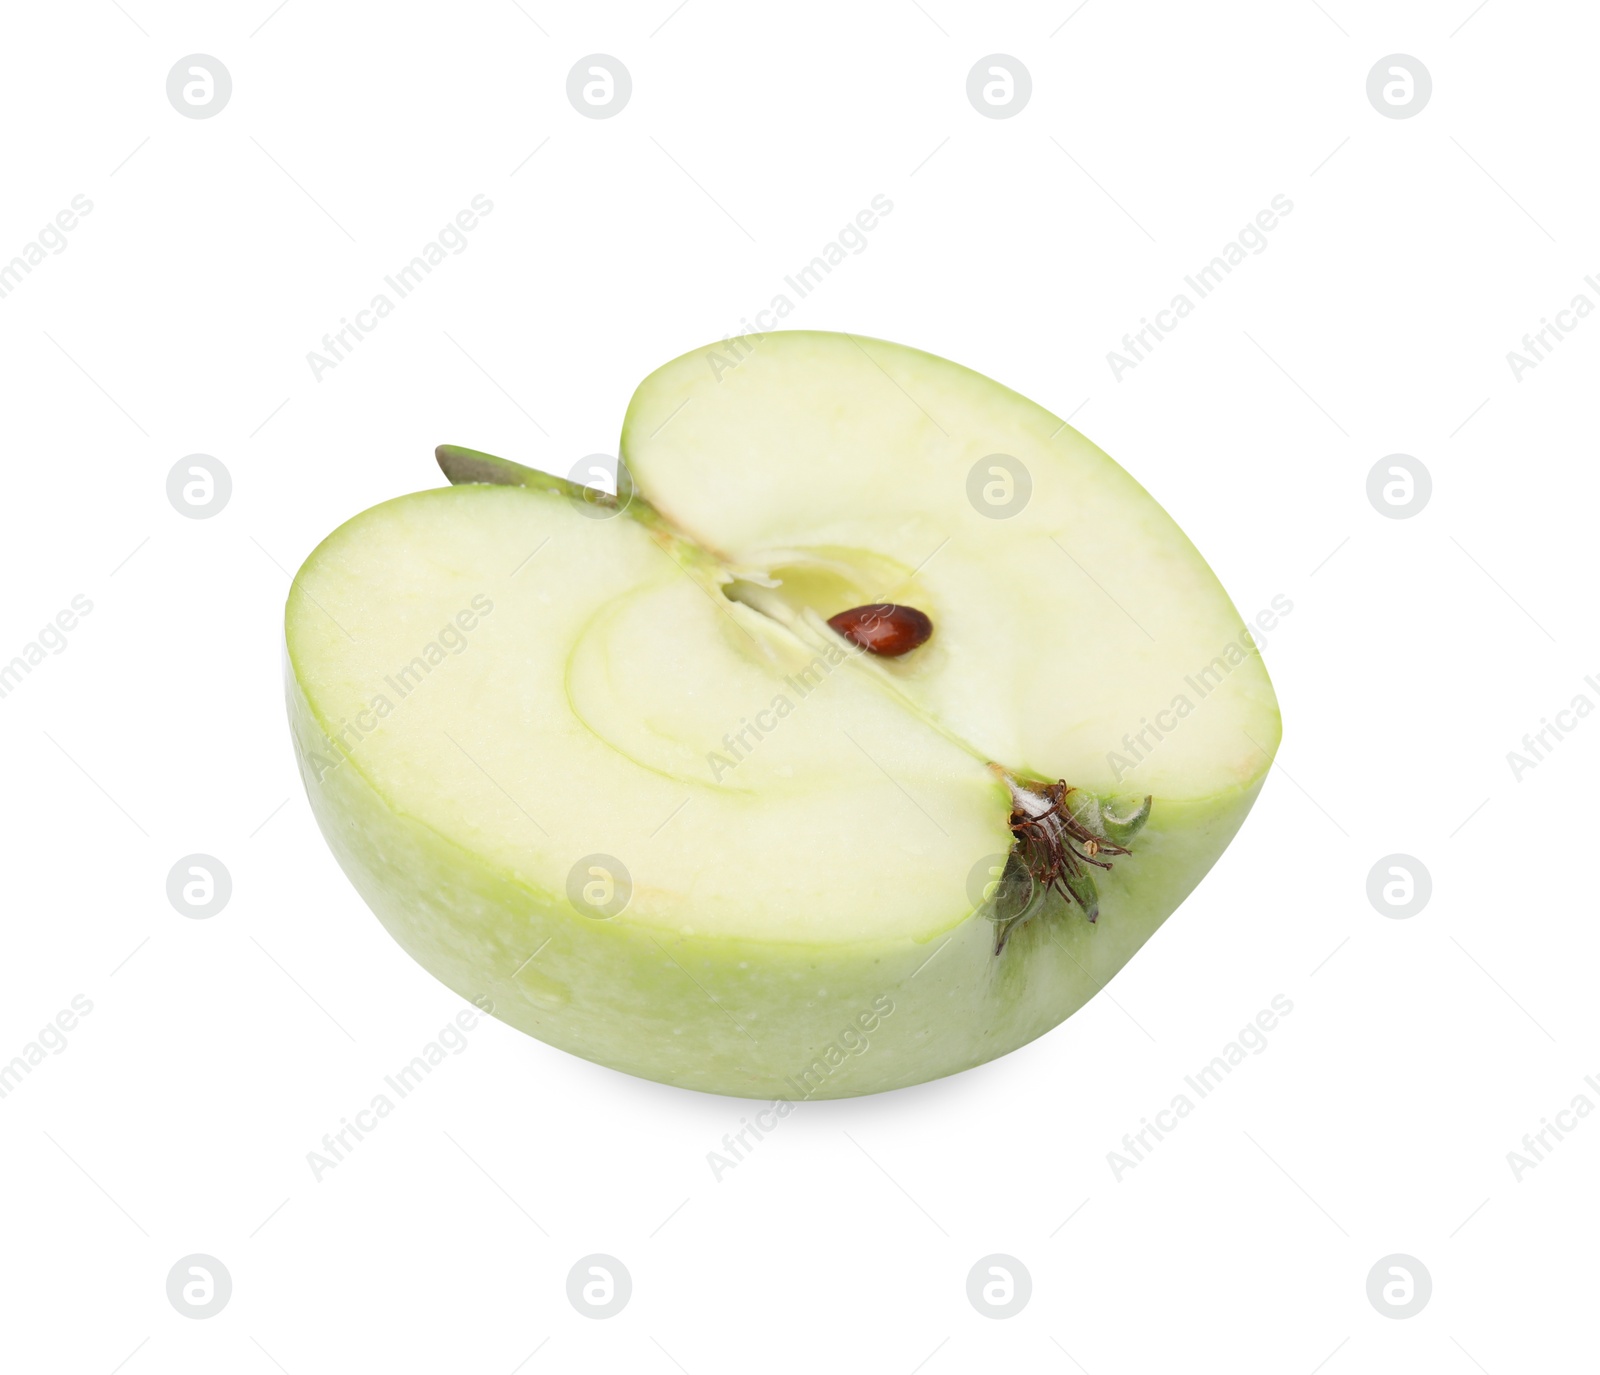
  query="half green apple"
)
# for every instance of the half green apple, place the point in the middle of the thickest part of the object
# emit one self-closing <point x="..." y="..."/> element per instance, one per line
<point x="608" y="766"/>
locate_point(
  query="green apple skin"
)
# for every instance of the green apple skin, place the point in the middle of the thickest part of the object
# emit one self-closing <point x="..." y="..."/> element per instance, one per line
<point x="751" y="1019"/>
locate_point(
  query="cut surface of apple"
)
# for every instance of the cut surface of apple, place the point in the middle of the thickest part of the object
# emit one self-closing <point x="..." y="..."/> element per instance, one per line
<point x="603" y="766"/>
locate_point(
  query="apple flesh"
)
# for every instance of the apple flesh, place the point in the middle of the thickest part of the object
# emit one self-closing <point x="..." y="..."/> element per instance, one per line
<point x="604" y="767"/>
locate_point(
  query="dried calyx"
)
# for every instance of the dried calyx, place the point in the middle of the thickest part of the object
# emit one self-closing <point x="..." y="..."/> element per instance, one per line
<point x="1061" y="835"/>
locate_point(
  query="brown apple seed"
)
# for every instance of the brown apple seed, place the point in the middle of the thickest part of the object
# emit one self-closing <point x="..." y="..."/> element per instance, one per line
<point x="883" y="628"/>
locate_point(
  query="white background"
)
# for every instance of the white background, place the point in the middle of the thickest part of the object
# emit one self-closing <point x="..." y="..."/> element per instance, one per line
<point x="1419" y="651"/>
